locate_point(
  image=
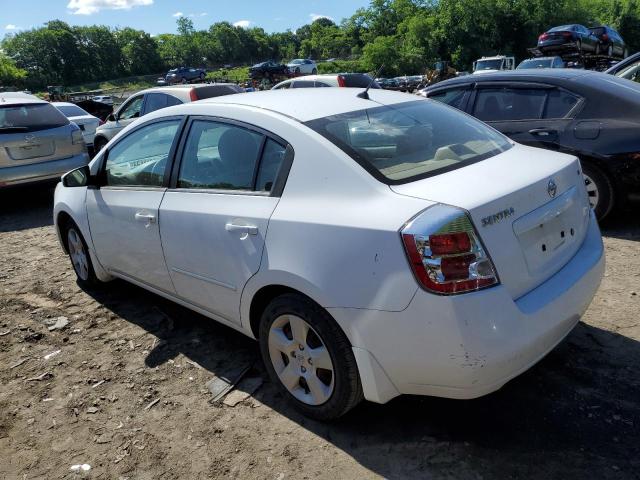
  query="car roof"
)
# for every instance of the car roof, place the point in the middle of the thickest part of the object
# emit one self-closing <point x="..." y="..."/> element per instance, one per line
<point x="532" y="75"/>
<point x="305" y="104"/>
<point x="14" y="98"/>
<point x="64" y="104"/>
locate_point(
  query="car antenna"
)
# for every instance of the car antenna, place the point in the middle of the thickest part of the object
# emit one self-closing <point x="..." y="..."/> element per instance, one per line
<point x="365" y="94"/>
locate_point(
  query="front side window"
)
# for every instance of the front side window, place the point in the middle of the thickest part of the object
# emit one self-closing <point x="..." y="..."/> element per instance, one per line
<point x="155" y="101"/>
<point x="140" y="159"/>
<point x="131" y="109"/>
<point x="451" y="97"/>
<point x="219" y="156"/>
<point x="404" y="142"/>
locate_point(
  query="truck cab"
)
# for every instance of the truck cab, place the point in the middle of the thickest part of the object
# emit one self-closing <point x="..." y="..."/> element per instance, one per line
<point x="494" y="64"/>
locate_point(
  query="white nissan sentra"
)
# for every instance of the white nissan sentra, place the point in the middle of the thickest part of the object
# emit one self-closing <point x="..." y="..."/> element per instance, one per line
<point x="374" y="246"/>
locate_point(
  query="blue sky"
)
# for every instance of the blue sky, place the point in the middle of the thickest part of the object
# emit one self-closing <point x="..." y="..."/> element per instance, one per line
<point x="159" y="16"/>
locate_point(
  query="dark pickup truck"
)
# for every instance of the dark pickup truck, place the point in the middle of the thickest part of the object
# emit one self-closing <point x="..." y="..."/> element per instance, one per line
<point x="268" y="69"/>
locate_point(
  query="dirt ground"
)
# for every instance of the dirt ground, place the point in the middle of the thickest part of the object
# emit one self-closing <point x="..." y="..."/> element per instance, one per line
<point x="574" y="415"/>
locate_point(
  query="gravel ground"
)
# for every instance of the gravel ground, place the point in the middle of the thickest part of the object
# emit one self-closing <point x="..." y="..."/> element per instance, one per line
<point x="86" y="393"/>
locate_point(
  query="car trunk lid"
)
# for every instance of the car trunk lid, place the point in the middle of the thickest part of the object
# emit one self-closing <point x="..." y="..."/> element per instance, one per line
<point x="529" y="206"/>
<point x="45" y="145"/>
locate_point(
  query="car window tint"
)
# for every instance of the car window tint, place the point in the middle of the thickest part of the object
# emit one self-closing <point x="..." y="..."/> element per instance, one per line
<point x="451" y="97"/>
<point x="30" y="117"/>
<point x="559" y="104"/>
<point x="155" y="101"/>
<point x="171" y="101"/>
<point x="269" y="165"/>
<point x="219" y="156"/>
<point x="497" y="104"/>
<point x="140" y="158"/>
<point x="303" y="84"/>
<point x="131" y="109"/>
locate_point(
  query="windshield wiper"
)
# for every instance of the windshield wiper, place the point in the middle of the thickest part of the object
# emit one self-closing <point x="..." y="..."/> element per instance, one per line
<point x="18" y="129"/>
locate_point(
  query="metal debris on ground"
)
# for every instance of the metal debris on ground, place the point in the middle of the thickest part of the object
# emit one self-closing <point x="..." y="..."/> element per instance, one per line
<point x="246" y="387"/>
<point x="83" y="467"/>
<point x="19" y="362"/>
<point x="151" y="404"/>
<point x="43" y="376"/>
<point x="222" y="384"/>
<point x="52" y="354"/>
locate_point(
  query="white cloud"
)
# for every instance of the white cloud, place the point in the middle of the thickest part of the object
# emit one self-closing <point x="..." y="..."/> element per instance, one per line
<point x="89" y="7"/>
<point x="242" y="23"/>
<point x="178" y="14"/>
<point x="12" y="27"/>
<point x="317" y="16"/>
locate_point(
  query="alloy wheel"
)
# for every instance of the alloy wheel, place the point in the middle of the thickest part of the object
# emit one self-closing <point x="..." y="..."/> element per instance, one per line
<point x="301" y="360"/>
<point x="78" y="254"/>
<point x="592" y="190"/>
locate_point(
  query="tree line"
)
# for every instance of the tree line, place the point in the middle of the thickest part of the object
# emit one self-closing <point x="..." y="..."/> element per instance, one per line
<point x="406" y="36"/>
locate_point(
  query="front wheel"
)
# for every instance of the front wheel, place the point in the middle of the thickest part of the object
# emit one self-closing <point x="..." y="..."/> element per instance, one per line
<point x="309" y="357"/>
<point x="314" y="71"/>
<point x="79" y="256"/>
<point x="599" y="189"/>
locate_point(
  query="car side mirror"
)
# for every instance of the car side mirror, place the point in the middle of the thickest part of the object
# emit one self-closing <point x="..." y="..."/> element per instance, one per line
<point x="111" y="118"/>
<point x="80" y="177"/>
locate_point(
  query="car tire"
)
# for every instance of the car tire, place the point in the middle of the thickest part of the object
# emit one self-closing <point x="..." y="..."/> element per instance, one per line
<point x="314" y="71"/>
<point x="98" y="144"/>
<point x="579" y="46"/>
<point x="297" y="71"/>
<point x="202" y="77"/>
<point x="625" y="53"/>
<point x="184" y="81"/>
<point x="598" y="48"/>
<point x="79" y="255"/>
<point x="599" y="189"/>
<point x="610" y="51"/>
<point x="297" y="336"/>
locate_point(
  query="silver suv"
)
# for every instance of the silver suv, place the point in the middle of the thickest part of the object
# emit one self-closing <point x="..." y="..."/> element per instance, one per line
<point x="37" y="142"/>
<point x="153" y="99"/>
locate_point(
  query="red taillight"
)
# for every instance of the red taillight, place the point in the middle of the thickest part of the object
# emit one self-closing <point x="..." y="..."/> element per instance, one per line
<point x="543" y="36"/>
<point x="449" y="243"/>
<point x="341" y="82"/>
<point x="445" y="253"/>
<point x="193" y="95"/>
<point x="605" y="37"/>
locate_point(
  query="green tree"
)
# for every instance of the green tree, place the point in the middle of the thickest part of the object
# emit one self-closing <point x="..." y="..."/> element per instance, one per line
<point x="10" y="75"/>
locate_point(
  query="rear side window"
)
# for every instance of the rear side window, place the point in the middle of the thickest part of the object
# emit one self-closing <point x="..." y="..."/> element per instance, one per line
<point x="155" y="101"/>
<point x="30" y="117"/>
<point x="499" y="104"/>
<point x="359" y="80"/>
<point x="451" y="97"/>
<point x="303" y="84"/>
<point x="140" y="158"/>
<point x="71" y="110"/>
<point x="272" y="158"/>
<point x="559" y="103"/>
<point x="407" y="141"/>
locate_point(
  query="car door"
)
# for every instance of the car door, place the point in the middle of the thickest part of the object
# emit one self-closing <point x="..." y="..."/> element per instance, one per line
<point x="214" y="221"/>
<point x="123" y="211"/>
<point x="532" y="114"/>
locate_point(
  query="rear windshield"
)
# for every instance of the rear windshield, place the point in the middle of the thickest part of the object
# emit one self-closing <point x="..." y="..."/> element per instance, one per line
<point x="30" y="118"/>
<point x="536" y="63"/>
<point x="71" y="110"/>
<point x="405" y="142"/>
<point x="359" y="81"/>
<point x="597" y="30"/>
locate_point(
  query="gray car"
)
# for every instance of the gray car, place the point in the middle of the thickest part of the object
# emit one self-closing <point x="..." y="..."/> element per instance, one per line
<point x="37" y="142"/>
<point x="152" y="99"/>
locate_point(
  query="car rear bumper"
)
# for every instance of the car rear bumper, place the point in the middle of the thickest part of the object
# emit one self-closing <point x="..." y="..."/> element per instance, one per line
<point x="39" y="172"/>
<point x="469" y="345"/>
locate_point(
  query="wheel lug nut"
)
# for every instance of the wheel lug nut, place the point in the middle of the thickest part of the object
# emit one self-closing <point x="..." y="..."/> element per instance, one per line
<point x="310" y="362"/>
<point x="303" y="370"/>
<point x="301" y="347"/>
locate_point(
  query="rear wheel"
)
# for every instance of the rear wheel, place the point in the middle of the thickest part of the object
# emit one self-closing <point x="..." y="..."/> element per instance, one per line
<point x="599" y="189"/>
<point x="308" y="356"/>
<point x="610" y="51"/>
<point x="202" y="77"/>
<point x="314" y="71"/>
<point x="184" y="81"/>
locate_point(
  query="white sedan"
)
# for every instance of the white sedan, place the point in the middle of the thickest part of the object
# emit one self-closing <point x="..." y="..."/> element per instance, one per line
<point x="374" y="246"/>
<point x="87" y="122"/>
<point x="303" y="66"/>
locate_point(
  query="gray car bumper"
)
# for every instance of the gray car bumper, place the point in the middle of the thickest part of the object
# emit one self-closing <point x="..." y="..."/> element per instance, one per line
<point x="38" y="172"/>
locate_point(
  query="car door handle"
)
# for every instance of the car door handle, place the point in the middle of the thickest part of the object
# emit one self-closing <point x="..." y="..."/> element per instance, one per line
<point x="145" y="217"/>
<point x="250" y="229"/>
<point x="543" y="132"/>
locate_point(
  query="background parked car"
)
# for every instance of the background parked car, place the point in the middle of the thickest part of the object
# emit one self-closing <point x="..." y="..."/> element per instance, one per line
<point x="37" y="142"/>
<point x="87" y="122"/>
<point x="153" y="99"/>
<point x="357" y="80"/>
<point x="388" y="83"/>
<point x="568" y="39"/>
<point x="541" y="62"/>
<point x="303" y="66"/>
<point x="106" y="99"/>
<point x="184" y="75"/>
<point x="610" y="43"/>
<point x="628" y="68"/>
<point x="587" y="114"/>
<point x="269" y="68"/>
